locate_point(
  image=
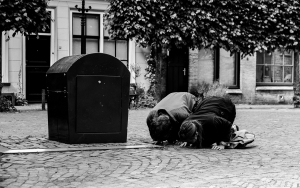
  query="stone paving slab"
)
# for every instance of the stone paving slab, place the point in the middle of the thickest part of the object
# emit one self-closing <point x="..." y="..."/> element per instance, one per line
<point x="271" y="161"/>
<point x="29" y="130"/>
<point x="30" y="142"/>
<point x="151" y="168"/>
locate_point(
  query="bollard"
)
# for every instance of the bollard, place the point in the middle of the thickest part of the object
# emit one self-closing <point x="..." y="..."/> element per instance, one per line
<point x="43" y="99"/>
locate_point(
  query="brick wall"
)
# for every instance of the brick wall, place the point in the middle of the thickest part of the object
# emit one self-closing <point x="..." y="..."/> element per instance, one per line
<point x="248" y="78"/>
<point x="201" y="66"/>
<point x="227" y="68"/>
<point x="202" y="69"/>
<point x="274" y="97"/>
<point x="236" y="98"/>
<point x="193" y="67"/>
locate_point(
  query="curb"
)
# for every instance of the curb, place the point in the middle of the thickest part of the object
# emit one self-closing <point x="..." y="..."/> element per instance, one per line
<point x="265" y="107"/>
<point x="8" y="151"/>
<point x="33" y="107"/>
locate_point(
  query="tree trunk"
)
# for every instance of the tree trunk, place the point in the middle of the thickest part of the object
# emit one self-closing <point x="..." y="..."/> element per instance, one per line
<point x="161" y="73"/>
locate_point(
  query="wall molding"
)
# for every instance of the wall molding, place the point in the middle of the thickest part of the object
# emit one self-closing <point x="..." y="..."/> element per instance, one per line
<point x="286" y="88"/>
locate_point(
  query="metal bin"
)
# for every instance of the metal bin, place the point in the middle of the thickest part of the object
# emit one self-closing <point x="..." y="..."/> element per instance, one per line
<point x="88" y="97"/>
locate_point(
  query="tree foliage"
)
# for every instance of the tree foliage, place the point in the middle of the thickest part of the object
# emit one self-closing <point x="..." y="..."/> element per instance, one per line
<point x="24" y="16"/>
<point x="235" y="25"/>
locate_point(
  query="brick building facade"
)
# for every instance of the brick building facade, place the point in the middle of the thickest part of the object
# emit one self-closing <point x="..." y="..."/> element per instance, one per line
<point x="264" y="78"/>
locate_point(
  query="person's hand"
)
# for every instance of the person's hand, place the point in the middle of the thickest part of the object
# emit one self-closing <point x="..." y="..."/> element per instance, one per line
<point x="158" y="142"/>
<point x="218" y="147"/>
<point x="185" y="144"/>
<point x="166" y="142"/>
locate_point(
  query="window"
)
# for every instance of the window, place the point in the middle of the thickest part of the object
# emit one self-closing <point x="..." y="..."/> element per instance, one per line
<point x="91" y="33"/>
<point x="227" y="68"/>
<point x="97" y="38"/>
<point x="275" y="68"/>
<point x="116" y="48"/>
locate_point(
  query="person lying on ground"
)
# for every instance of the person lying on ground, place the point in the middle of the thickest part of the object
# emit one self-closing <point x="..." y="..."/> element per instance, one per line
<point x="205" y="131"/>
<point x="210" y="124"/>
<point x="165" y="118"/>
<point x="220" y="106"/>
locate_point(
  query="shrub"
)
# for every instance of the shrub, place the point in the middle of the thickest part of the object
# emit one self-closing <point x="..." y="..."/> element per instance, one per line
<point x="204" y="89"/>
<point x="144" y="99"/>
<point x="6" y="105"/>
<point x="20" y="100"/>
<point x="217" y="89"/>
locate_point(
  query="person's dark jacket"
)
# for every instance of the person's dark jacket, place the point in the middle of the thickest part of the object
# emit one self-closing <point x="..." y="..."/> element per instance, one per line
<point x="214" y="128"/>
<point x="219" y="106"/>
<point x="178" y="106"/>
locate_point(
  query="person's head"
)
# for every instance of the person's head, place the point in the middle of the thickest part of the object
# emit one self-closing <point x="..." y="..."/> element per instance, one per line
<point x="160" y="126"/>
<point x="164" y="125"/>
<point x="191" y="132"/>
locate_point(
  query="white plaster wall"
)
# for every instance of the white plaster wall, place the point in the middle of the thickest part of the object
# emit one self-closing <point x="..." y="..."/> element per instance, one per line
<point x="140" y="60"/>
<point x="14" y="61"/>
<point x="131" y="60"/>
<point x="62" y="29"/>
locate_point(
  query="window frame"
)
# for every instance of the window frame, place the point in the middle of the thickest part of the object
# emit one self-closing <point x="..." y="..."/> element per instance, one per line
<point x="72" y="36"/>
<point x="237" y="61"/>
<point x="115" y="42"/>
<point x="273" y="65"/>
<point x="101" y="37"/>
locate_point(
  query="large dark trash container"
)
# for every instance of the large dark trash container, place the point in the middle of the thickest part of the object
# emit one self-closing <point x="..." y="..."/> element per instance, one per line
<point x="88" y="99"/>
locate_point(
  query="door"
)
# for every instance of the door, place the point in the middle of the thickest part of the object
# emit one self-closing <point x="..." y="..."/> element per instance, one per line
<point x="177" y="70"/>
<point x="37" y="63"/>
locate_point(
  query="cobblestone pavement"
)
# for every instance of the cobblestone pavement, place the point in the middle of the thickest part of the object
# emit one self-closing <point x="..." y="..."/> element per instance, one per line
<point x="272" y="160"/>
<point x="16" y="133"/>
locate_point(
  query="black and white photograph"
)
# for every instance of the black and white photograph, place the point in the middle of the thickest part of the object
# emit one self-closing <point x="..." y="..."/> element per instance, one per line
<point x="149" y="94"/>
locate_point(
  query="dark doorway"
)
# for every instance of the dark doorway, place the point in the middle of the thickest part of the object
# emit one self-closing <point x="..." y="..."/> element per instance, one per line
<point x="37" y="64"/>
<point x="177" y="72"/>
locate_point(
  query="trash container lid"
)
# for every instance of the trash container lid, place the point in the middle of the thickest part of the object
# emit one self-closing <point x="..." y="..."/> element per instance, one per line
<point x="90" y="64"/>
<point x="63" y="64"/>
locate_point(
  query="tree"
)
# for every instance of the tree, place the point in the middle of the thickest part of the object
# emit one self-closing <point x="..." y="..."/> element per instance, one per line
<point x="235" y="25"/>
<point x="23" y="16"/>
